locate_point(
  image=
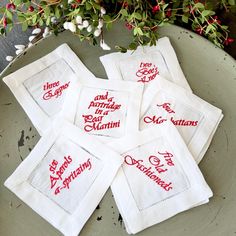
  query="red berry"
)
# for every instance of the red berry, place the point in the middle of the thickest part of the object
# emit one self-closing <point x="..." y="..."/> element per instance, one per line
<point x="154" y="28"/>
<point x="168" y="13"/>
<point x="4" y="22"/>
<point x="230" y="40"/>
<point x="156" y="9"/>
<point x="8" y="6"/>
<point x="31" y="8"/>
<point x="73" y="6"/>
<point x="40" y="9"/>
<point x="128" y="26"/>
<point x="191" y="10"/>
<point x="125" y="4"/>
<point x="79" y="1"/>
<point x="199" y="30"/>
<point x="13" y="6"/>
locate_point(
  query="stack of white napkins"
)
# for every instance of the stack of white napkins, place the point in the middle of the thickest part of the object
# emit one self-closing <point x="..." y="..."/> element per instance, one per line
<point x="142" y="131"/>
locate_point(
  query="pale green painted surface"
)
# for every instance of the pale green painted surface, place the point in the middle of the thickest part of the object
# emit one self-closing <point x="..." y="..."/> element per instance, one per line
<point x="212" y="76"/>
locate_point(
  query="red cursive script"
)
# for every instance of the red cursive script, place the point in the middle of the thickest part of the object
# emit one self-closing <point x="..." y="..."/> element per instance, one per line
<point x="101" y="109"/>
<point x="156" y="120"/>
<point x="57" y="178"/>
<point x="149" y="172"/>
<point x="56" y="93"/>
<point x="147" y="72"/>
<point x="166" y="106"/>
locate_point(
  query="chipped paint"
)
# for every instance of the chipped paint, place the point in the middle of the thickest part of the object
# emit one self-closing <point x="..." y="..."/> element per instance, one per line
<point x="21" y="140"/>
<point x="120" y="219"/>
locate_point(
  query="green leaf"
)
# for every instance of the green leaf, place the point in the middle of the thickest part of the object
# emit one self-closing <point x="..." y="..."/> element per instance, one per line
<point x="9" y="15"/>
<point x="88" y="6"/>
<point x="9" y="27"/>
<point x="121" y="49"/>
<point x="47" y="12"/>
<point x="137" y="16"/>
<point x="209" y="28"/>
<point x="141" y="24"/>
<point x="196" y="20"/>
<point x="232" y="2"/>
<point x="161" y="24"/>
<point x="109" y="26"/>
<point x="34" y="18"/>
<point x="17" y="2"/>
<point x="21" y="18"/>
<point x="124" y="12"/>
<point x="27" y="4"/>
<point x="133" y="46"/>
<point x="225" y="27"/>
<point x="185" y="18"/>
<point x="41" y="23"/>
<point x="199" y="5"/>
<point x="138" y="31"/>
<point x="208" y="13"/>
<point x="2" y="31"/>
<point x="2" y="10"/>
<point x="165" y="6"/>
<point x="106" y="18"/>
<point x="24" y="26"/>
<point x="186" y="9"/>
<point x="48" y="21"/>
<point x="57" y="13"/>
<point x="96" y="6"/>
<point x="95" y="18"/>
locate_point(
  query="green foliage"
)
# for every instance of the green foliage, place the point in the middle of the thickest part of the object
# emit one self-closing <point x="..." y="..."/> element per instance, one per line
<point x="142" y="17"/>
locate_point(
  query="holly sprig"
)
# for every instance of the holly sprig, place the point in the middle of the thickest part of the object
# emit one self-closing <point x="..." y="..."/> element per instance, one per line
<point x="88" y="18"/>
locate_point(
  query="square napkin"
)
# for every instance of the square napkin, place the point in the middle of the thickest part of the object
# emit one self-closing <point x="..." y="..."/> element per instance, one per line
<point x="159" y="177"/>
<point x="145" y="65"/>
<point x="41" y="86"/>
<point x="65" y="177"/>
<point x="195" y="119"/>
<point x="107" y="109"/>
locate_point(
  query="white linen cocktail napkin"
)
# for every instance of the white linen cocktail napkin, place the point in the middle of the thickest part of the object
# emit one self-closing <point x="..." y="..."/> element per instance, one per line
<point x="107" y="109"/>
<point x="65" y="177"/>
<point x="195" y="119"/>
<point x="145" y="65"/>
<point x="159" y="177"/>
<point x="41" y="86"/>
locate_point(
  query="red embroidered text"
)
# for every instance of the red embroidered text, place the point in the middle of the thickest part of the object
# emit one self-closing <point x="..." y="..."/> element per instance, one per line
<point x="159" y="119"/>
<point x="54" y="89"/>
<point x="58" y="180"/>
<point x="160" y="166"/>
<point x="103" y="105"/>
<point x="147" y="72"/>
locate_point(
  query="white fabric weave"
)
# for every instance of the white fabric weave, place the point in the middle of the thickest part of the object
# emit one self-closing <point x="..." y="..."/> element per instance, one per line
<point x="42" y="86"/>
<point x="65" y="177"/>
<point x="159" y="177"/>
